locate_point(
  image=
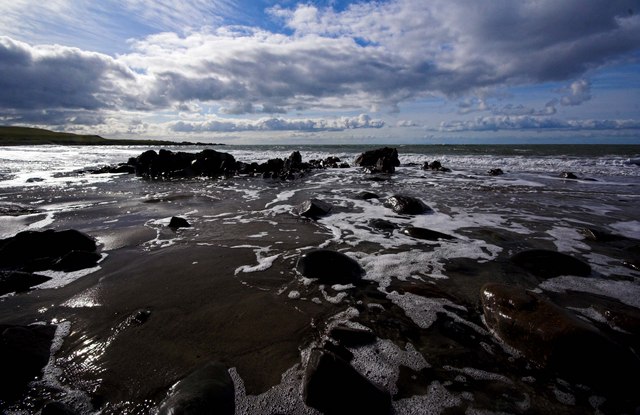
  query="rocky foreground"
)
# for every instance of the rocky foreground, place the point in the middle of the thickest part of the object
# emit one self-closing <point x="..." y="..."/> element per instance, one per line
<point x="547" y="336"/>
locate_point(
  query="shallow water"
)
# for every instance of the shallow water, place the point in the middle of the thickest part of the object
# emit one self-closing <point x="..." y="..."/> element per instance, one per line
<point x="226" y="289"/>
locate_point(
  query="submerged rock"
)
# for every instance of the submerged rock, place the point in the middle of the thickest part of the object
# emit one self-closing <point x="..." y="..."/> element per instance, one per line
<point x="406" y="205"/>
<point x="24" y="351"/>
<point x="381" y="160"/>
<point x="555" y="339"/>
<point x="333" y="386"/>
<point x="367" y="196"/>
<point x="313" y="208"/>
<point x="330" y="267"/>
<point x="548" y="264"/>
<point x="208" y="390"/>
<point x="33" y="251"/>
<point x="178" y="222"/>
<point x="382" y="225"/>
<point x="495" y="172"/>
<point x="426" y="234"/>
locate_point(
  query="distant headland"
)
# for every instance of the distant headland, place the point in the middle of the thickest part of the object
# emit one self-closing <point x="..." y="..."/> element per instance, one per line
<point x="26" y="136"/>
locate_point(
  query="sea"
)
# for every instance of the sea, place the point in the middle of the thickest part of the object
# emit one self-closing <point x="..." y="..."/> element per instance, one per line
<point x="227" y="288"/>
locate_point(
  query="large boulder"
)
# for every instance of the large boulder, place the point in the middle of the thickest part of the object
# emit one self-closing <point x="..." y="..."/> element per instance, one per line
<point x="548" y="264"/>
<point x="24" y="351"/>
<point x="553" y="338"/>
<point x="406" y="205"/>
<point x="208" y="390"/>
<point x="333" y="386"/>
<point x="330" y="267"/>
<point x="50" y="249"/>
<point x="381" y="160"/>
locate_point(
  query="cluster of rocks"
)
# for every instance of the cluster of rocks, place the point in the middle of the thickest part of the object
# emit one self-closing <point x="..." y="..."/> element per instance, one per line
<point x="22" y="255"/>
<point x="166" y="164"/>
<point x="381" y="160"/>
<point x="435" y="166"/>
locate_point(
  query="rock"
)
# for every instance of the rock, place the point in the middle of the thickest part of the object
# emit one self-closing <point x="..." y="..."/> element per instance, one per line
<point x="16" y="281"/>
<point x="178" y="222"/>
<point x="555" y="339"/>
<point x="367" y="196"/>
<point x="32" y="250"/>
<point x="495" y="172"/>
<point x="167" y="164"/>
<point x="381" y="160"/>
<point x="333" y="386"/>
<point x="313" y="208"/>
<point x="382" y="225"/>
<point x="549" y="264"/>
<point x="435" y="166"/>
<point x="34" y="180"/>
<point x="568" y="175"/>
<point x="329" y="267"/>
<point x="406" y="205"/>
<point x="24" y="351"/>
<point x="118" y="168"/>
<point x="597" y="235"/>
<point x="426" y="234"/>
<point x="351" y="337"/>
<point x="208" y="390"/>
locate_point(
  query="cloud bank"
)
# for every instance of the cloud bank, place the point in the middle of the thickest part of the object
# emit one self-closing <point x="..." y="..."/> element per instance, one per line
<point x="373" y="55"/>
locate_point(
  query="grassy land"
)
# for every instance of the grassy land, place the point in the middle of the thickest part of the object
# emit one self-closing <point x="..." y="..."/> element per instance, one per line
<point x="24" y="136"/>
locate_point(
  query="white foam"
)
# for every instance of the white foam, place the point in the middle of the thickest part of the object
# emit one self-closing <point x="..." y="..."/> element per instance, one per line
<point x="568" y="239"/>
<point x="630" y="229"/>
<point x="294" y="295"/>
<point x="380" y="362"/>
<point x="626" y="291"/>
<point x="479" y="374"/>
<point x="62" y="278"/>
<point x="264" y="262"/>
<point x="434" y="402"/>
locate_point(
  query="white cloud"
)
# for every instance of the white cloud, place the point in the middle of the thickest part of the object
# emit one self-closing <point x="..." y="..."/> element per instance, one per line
<point x="578" y="92"/>
<point x="526" y="122"/>
<point x="277" y="124"/>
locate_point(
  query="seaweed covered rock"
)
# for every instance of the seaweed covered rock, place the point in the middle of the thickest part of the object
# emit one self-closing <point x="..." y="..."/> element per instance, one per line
<point x="381" y="160"/>
<point x="330" y="267"/>
<point x="555" y="339"/>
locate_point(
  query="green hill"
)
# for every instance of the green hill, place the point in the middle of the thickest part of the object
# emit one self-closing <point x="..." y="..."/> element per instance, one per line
<point x="25" y="136"/>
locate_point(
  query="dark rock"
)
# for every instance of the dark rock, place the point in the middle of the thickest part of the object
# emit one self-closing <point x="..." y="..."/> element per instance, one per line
<point x="568" y="175"/>
<point x="555" y="339"/>
<point x="178" y="222"/>
<point x="381" y="160"/>
<point x="435" y="166"/>
<point x="167" y="164"/>
<point x="16" y="281"/>
<point x="351" y="337"/>
<point x="13" y="209"/>
<point x="35" y="180"/>
<point x="344" y="165"/>
<point x="24" y="351"/>
<point x="426" y="234"/>
<point x="495" y="172"/>
<point x="406" y="205"/>
<point x="597" y="235"/>
<point x="32" y="250"/>
<point x="118" y="168"/>
<point x="382" y="225"/>
<point x="333" y="386"/>
<point x="76" y="260"/>
<point x="329" y="267"/>
<point x="208" y="390"/>
<point x="367" y="196"/>
<point x="313" y="208"/>
<point x="549" y="264"/>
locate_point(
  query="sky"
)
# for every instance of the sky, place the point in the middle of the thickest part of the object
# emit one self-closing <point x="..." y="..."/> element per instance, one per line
<point x="263" y="71"/>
